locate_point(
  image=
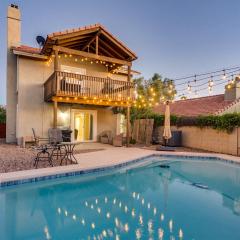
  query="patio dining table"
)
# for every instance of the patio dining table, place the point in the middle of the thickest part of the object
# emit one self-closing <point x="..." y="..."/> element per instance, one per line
<point x="69" y="151"/>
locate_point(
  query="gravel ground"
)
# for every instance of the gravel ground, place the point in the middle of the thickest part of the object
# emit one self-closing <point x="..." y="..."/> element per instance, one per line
<point x="14" y="158"/>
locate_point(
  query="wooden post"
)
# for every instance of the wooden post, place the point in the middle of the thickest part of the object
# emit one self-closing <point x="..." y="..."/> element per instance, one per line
<point x="56" y="68"/>
<point x="128" y="126"/>
<point x="55" y="104"/>
<point x="56" y="62"/>
<point x="128" y="108"/>
<point x="97" y="45"/>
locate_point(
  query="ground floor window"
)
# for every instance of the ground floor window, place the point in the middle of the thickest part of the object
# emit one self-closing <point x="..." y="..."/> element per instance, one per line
<point x="121" y="124"/>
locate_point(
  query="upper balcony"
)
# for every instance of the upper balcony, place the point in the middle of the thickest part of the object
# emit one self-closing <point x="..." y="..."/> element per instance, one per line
<point x="83" y="89"/>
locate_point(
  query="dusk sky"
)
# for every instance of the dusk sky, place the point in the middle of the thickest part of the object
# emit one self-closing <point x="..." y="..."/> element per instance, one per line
<point x="174" y="37"/>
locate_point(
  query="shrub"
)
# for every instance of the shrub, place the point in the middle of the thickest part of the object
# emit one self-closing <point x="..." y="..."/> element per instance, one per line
<point x="132" y="141"/>
<point x="2" y="114"/>
<point x="226" y="122"/>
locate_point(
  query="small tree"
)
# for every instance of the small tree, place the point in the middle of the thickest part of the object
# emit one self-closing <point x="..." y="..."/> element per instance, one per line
<point x="154" y="90"/>
<point x="2" y="114"/>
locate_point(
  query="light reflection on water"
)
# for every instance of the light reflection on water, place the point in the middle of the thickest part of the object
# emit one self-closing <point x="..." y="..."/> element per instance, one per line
<point x="146" y="203"/>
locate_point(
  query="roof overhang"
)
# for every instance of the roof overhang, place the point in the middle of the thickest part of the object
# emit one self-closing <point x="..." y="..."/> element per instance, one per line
<point x="19" y="52"/>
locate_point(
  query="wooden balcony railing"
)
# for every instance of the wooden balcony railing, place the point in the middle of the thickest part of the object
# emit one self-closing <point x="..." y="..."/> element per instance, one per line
<point x="63" y="84"/>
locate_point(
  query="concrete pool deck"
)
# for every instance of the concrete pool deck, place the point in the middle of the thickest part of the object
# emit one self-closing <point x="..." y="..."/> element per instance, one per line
<point x="108" y="157"/>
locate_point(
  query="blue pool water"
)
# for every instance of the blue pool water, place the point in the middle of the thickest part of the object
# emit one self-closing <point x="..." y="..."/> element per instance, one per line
<point x="192" y="199"/>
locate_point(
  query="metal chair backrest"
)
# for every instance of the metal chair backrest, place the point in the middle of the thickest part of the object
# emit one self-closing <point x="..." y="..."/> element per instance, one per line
<point x="34" y="134"/>
<point x="55" y="135"/>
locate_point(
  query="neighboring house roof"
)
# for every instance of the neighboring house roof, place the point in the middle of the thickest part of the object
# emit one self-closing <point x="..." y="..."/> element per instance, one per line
<point x="197" y="106"/>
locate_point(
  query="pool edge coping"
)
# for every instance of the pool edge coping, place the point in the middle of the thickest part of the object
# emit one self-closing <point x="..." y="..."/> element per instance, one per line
<point x="36" y="175"/>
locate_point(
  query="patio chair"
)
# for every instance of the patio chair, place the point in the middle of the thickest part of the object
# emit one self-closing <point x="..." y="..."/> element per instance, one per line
<point x="42" y="155"/>
<point x="106" y="137"/>
<point x="58" y="150"/>
<point x="41" y="146"/>
<point x="118" y="140"/>
<point x="55" y="135"/>
<point x="38" y="139"/>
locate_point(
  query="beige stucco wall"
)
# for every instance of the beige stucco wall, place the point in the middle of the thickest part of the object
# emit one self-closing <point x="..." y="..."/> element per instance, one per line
<point x="209" y="139"/>
<point x="33" y="112"/>
<point x="13" y="39"/>
<point x="96" y="70"/>
<point x="106" y="120"/>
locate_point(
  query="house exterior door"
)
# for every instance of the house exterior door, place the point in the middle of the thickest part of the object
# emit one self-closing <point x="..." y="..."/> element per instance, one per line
<point x="84" y="125"/>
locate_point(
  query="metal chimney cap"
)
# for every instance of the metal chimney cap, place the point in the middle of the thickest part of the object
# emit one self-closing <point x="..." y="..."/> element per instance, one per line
<point x="14" y="6"/>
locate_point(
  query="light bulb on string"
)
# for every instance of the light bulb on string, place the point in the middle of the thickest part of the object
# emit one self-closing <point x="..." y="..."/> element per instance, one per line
<point x="196" y="93"/>
<point x="232" y="81"/>
<point x="195" y="78"/>
<point x="224" y="74"/>
<point x="210" y="89"/>
<point x="238" y="75"/>
<point x="210" y="82"/>
<point x="189" y="88"/>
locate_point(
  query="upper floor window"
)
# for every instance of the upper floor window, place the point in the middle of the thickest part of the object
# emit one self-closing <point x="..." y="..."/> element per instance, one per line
<point x="70" y="69"/>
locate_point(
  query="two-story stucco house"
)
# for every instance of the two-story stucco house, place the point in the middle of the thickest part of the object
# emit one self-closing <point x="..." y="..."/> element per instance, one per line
<point x="72" y="81"/>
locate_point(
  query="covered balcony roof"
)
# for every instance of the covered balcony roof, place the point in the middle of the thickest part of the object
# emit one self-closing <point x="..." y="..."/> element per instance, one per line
<point x="92" y="39"/>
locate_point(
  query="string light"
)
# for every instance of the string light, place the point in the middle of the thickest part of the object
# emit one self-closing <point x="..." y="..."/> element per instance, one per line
<point x="210" y="82"/>
<point x="216" y="82"/>
<point x="210" y="89"/>
<point x="224" y="74"/>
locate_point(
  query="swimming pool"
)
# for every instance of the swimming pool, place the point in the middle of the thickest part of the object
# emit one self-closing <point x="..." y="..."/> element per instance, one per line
<point x="175" y="198"/>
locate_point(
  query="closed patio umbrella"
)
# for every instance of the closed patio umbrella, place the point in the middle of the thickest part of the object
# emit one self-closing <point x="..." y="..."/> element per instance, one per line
<point x="167" y="129"/>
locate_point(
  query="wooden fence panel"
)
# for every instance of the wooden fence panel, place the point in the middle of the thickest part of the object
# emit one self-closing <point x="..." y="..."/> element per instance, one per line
<point x="135" y="130"/>
<point x="2" y="130"/>
<point x="143" y="130"/>
<point x="149" y="131"/>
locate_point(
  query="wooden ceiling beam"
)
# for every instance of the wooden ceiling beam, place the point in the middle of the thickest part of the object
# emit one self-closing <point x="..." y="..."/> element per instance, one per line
<point x="79" y="100"/>
<point x="102" y="52"/>
<point x="75" y="43"/>
<point x="91" y="40"/>
<point x="91" y="55"/>
<point x="111" y="49"/>
<point x="105" y="51"/>
<point x="96" y="46"/>
<point x="75" y="34"/>
<point x="67" y="40"/>
<point x="117" y="43"/>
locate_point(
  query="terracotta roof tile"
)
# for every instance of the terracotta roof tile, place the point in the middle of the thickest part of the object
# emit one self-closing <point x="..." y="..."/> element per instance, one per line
<point x="71" y="30"/>
<point x="196" y="106"/>
<point x="27" y="49"/>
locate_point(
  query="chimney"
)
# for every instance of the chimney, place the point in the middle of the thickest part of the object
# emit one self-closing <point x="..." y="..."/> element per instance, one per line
<point x="232" y="90"/>
<point x="13" y="26"/>
<point x="13" y="39"/>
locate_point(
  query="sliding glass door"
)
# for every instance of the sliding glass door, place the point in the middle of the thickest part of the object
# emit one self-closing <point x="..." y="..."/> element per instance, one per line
<point x="84" y="126"/>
